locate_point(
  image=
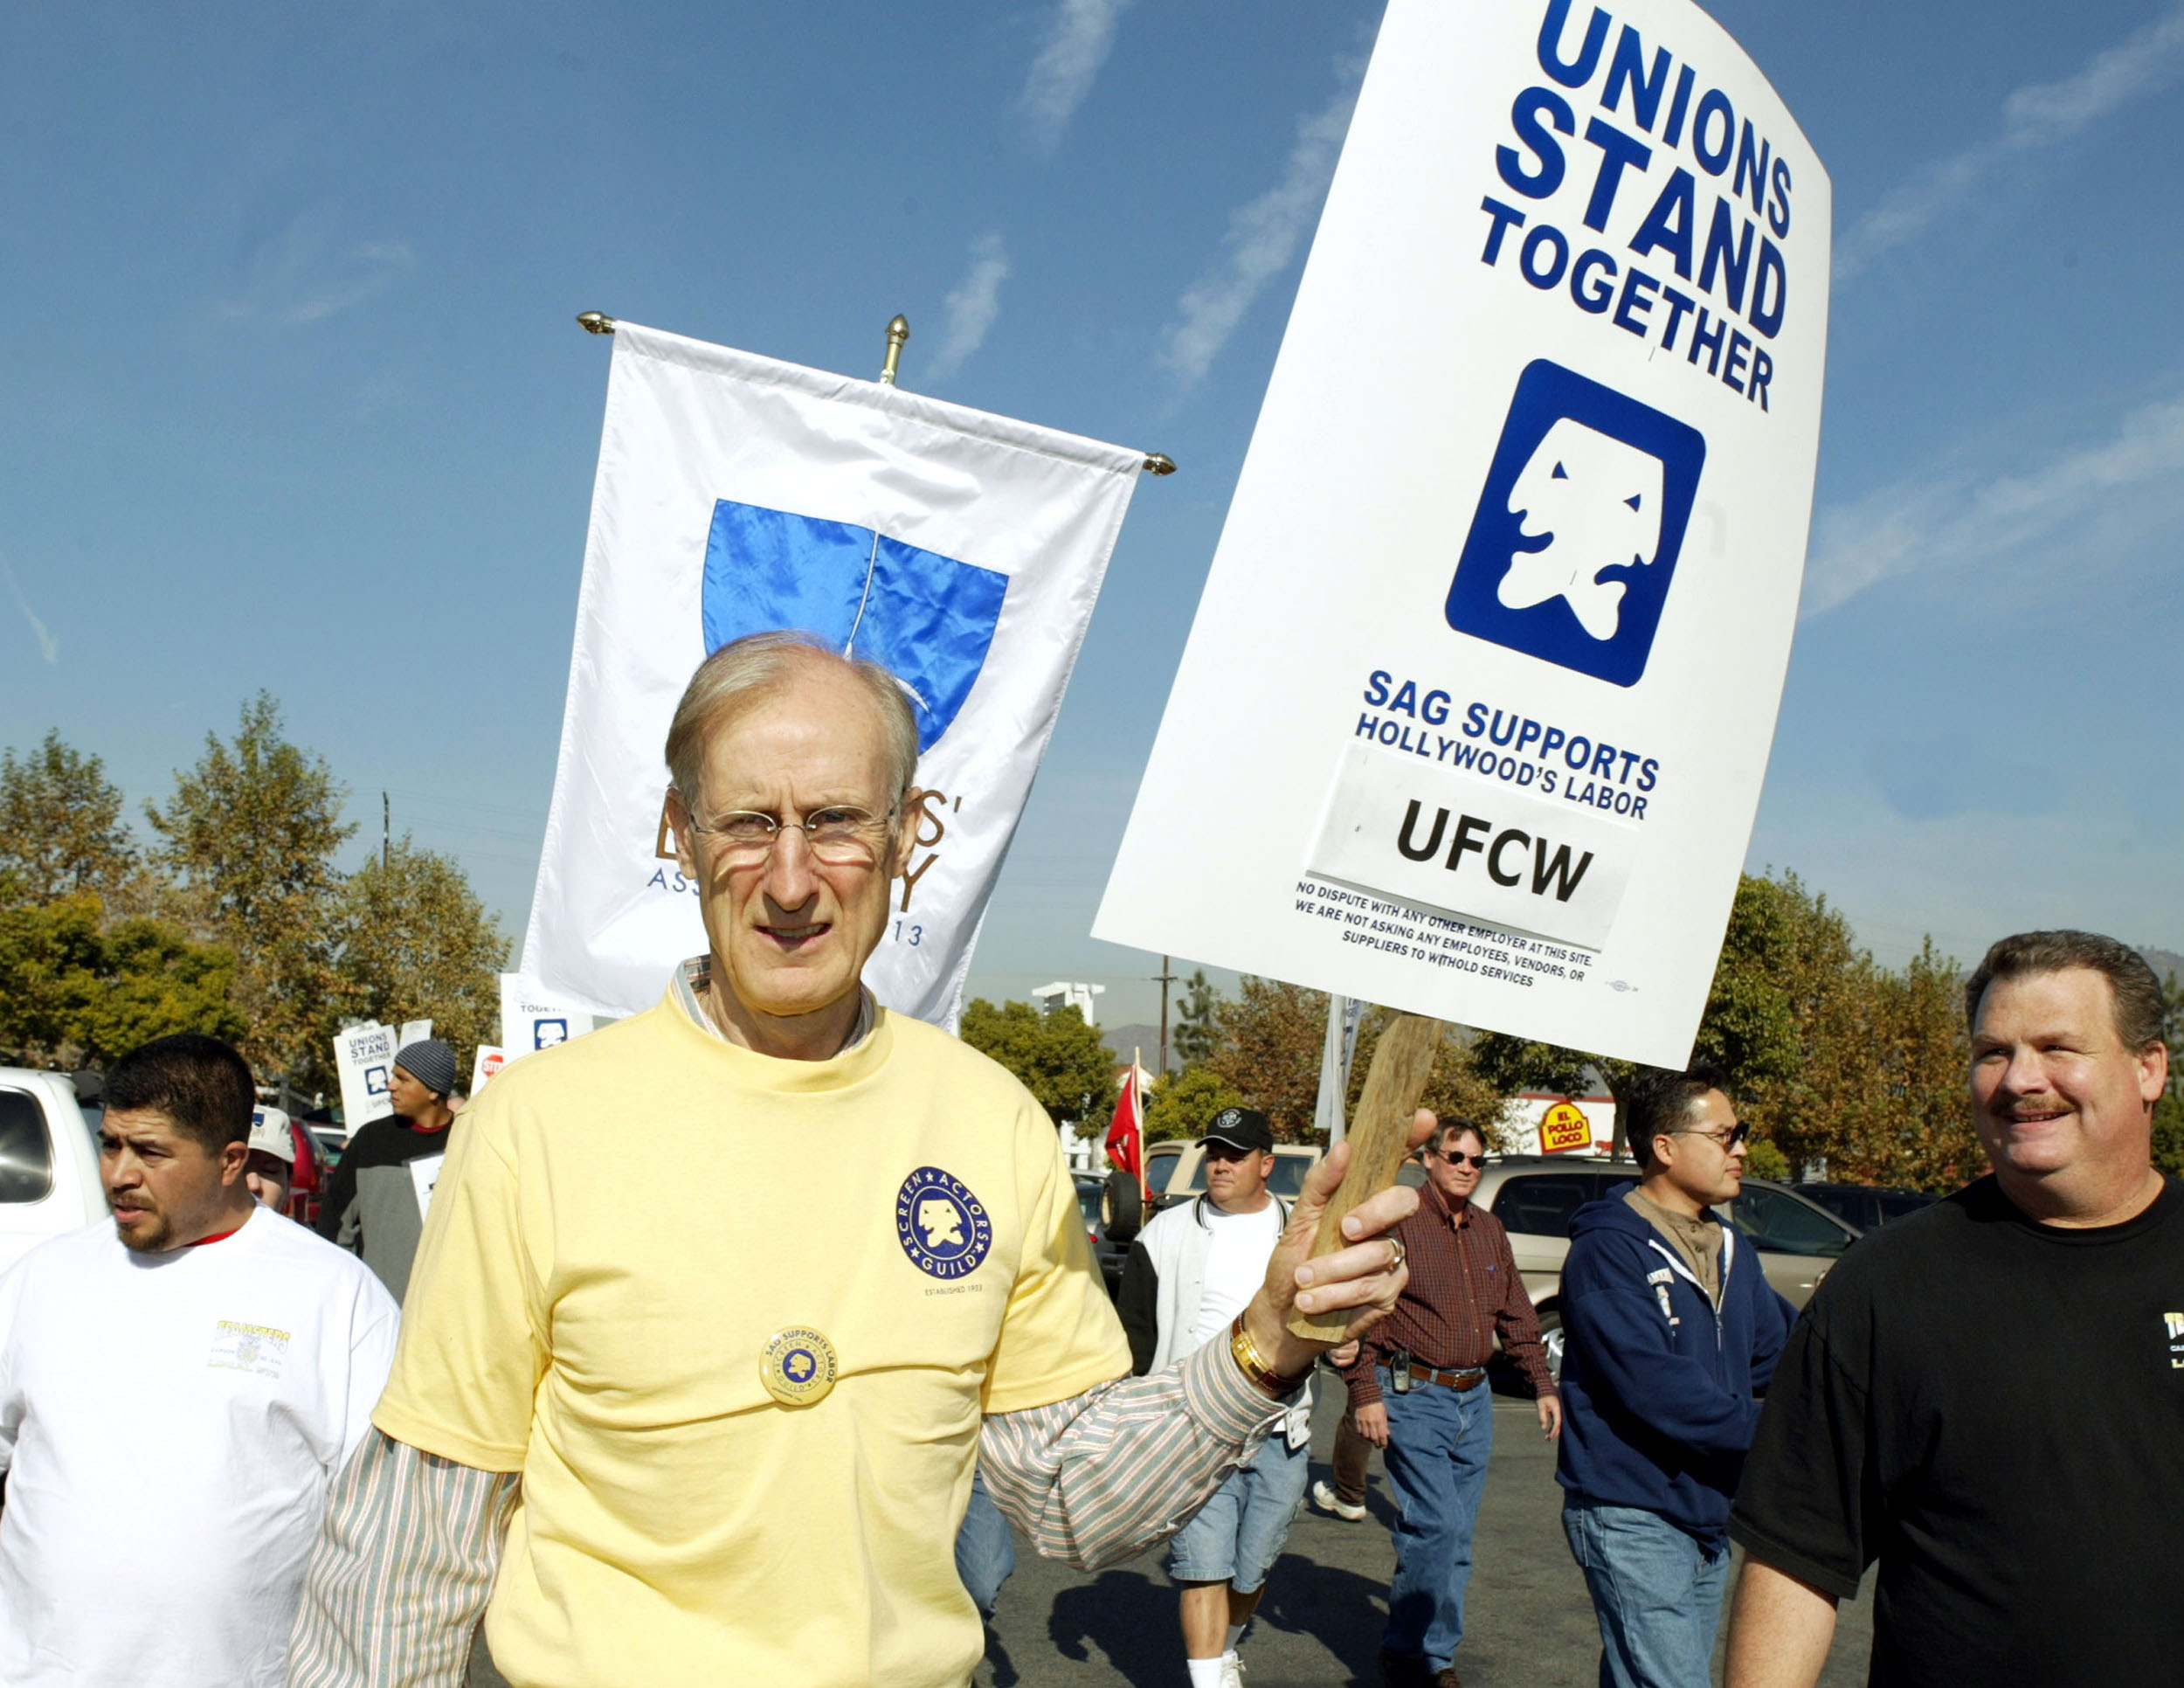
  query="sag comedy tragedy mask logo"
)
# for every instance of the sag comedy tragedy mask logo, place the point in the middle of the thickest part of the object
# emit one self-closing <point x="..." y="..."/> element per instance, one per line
<point x="1579" y="526"/>
<point x="944" y="1228"/>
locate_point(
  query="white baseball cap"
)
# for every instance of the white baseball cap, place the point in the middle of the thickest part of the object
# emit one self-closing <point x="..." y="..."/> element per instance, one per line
<point x="269" y="1130"/>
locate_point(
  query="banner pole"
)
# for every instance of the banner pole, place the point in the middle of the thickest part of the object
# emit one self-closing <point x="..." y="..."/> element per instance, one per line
<point x="1156" y="463"/>
<point x="898" y="331"/>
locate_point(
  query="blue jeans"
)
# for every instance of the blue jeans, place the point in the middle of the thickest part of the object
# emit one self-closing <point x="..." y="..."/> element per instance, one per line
<point x="985" y="1550"/>
<point x="1656" y="1590"/>
<point x="1237" y="1535"/>
<point x="1438" y="1444"/>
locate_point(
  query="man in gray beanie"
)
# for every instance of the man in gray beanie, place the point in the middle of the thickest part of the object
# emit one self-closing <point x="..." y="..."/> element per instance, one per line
<point x="375" y="1205"/>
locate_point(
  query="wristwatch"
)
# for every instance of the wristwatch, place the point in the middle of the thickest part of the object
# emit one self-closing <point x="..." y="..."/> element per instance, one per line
<point x="1260" y="1375"/>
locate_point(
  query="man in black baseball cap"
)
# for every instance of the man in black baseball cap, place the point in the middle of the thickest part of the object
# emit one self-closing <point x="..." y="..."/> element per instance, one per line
<point x="1189" y="1273"/>
<point x="1241" y="1128"/>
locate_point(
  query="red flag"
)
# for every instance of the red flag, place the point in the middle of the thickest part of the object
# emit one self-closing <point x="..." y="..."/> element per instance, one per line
<point x="1125" y="1142"/>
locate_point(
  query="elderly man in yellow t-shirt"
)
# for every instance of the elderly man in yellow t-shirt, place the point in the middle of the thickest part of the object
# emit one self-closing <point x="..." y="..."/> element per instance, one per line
<point x="728" y="1438"/>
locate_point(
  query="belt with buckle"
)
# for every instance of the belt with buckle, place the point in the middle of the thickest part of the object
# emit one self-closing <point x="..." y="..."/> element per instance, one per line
<point x="1467" y="1379"/>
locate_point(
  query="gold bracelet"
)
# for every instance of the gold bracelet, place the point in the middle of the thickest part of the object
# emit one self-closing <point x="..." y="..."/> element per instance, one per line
<point x="1260" y="1375"/>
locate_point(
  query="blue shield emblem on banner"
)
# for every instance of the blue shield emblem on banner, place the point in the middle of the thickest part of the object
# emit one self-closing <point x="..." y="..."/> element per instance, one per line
<point x="927" y="619"/>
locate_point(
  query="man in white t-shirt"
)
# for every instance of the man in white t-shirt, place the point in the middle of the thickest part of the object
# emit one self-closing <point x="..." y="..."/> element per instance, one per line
<point x="1188" y="1273"/>
<point x="178" y="1387"/>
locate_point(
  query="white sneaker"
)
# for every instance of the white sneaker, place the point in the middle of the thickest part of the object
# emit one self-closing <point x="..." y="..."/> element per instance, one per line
<point x="1327" y="1501"/>
<point x="1232" y="1671"/>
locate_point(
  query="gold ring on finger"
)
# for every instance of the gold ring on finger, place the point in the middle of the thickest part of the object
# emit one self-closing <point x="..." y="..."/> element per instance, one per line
<point x="1402" y="1254"/>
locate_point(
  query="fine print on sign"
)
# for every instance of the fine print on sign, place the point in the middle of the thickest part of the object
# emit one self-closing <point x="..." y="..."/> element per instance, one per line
<point x="1564" y="1130"/>
<point x="1475" y="710"/>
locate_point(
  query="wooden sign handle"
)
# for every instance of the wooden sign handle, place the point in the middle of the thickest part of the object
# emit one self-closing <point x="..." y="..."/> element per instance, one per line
<point x="1379" y="1138"/>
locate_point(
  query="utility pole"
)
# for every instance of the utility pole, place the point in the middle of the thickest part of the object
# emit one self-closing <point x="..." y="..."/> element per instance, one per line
<point x="386" y="832"/>
<point x="1165" y="978"/>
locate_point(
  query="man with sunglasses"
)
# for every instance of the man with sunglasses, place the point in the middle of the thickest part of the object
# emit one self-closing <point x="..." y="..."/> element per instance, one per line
<point x="1672" y="1332"/>
<point x="729" y="1437"/>
<point x="1418" y="1393"/>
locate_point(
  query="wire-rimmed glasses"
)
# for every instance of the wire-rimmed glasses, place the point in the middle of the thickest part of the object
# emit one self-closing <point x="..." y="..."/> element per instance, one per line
<point x="838" y="835"/>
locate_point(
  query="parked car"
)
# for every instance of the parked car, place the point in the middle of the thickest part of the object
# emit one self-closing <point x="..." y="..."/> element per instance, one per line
<point x="1110" y="1238"/>
<point x="307" y="1191"/>
<point x="1176" y="1170"/>
<point x="329" y="1133"/>
<point x="1536" y="1197"/>
<point x="1865" y="1206"/>
<point x="49" y="1162"/>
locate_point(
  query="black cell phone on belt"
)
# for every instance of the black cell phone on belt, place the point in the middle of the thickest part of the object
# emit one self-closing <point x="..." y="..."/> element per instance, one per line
<point x="1400" y="1366"/>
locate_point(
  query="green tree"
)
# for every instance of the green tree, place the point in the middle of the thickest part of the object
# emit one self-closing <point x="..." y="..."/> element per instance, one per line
<point x="1196" y="1036"/>
<point x="413" y="942"/>
<point x="61" y="831"/>
<point x="1272" y="1034"/>
<point x="1763" y="1159"/>
<point x="1183" y="1103"/>
<point x="75" y="991"/>
<point x="51" y="958"/>
<point x="251" y="833"/>
<point x="1829" y="1054"/>
<point x="2168" y="1110"/>
<point x="1060" y="1059"/>
<point x="157" y="982"/>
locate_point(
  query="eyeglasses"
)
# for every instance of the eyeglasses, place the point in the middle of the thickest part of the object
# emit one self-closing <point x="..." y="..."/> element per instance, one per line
<point x="1458" y="1159"/>
<point x="1726" y="1142"/>
<point x="839" y="836"/>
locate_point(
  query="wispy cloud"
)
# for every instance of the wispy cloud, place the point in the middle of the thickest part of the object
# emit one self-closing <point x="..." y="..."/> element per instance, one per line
<point x="973" y="306"/>
<point x="1078" y="40"/>
<point x="48" y="647"/>
<point x="2110" y="492"/>
<point x="2039" y="116"/>
<point x="1262" y="239"/>
<point x="305" y="273"/>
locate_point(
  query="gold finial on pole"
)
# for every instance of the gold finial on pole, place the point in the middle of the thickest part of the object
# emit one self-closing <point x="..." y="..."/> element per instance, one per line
<point x="1160" y="463"/>
<point x="595" y="323"/>
<point x="898" y="331"/>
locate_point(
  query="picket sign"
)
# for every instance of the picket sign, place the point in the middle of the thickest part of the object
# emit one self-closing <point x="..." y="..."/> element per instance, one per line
<point x="363" y="1059"/>
<point x="1476" y="706"/>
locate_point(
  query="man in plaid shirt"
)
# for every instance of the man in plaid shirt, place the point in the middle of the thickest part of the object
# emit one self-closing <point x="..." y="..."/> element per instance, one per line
<point x="1417" y="1392"/>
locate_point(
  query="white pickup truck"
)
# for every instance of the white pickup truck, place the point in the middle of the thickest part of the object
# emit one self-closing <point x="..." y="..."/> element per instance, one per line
<point x="49" y="1166"/>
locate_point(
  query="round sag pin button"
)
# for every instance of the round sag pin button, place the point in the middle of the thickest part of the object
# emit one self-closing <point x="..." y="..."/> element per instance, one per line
<point x="798" y="1366"/>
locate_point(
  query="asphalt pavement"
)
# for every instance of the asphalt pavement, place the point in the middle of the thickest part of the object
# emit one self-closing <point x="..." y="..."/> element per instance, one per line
<point x="1528" y="1623"/>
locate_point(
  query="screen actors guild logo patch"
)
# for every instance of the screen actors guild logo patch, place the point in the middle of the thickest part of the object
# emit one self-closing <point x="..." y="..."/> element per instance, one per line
<point x="944" y="1228"/>
<point x="797" y="1365"/>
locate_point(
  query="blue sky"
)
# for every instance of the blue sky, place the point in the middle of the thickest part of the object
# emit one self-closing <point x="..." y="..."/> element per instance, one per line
<point x="292" y="397"/>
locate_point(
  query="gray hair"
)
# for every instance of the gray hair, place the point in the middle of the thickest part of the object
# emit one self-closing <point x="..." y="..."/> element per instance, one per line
<point x="1449" y="1130"/>
<point x="2135" y="998"/>
<point x="748" y="670"/>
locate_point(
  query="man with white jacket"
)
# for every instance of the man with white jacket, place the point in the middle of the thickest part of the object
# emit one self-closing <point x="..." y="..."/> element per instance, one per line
<point x="1188" y="1273"/>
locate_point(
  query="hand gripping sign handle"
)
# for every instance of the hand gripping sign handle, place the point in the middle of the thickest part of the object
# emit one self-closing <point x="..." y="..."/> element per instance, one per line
<point x="1379" y="1138"/>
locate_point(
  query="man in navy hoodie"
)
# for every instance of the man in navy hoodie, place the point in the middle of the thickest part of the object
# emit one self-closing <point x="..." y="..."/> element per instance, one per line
<point x="1671" y="1329"/>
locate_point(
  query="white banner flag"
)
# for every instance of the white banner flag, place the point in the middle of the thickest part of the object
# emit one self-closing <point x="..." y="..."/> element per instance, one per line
<point x="737" y="494"/>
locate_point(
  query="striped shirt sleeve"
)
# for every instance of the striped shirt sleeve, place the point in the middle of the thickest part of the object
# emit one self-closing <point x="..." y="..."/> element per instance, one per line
<point x="1104" y="1475"/>
<point x="401" y="1571"/>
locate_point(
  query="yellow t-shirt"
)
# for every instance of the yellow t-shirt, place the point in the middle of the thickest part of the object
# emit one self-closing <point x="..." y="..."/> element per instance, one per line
<point x="623" y="1223"/>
